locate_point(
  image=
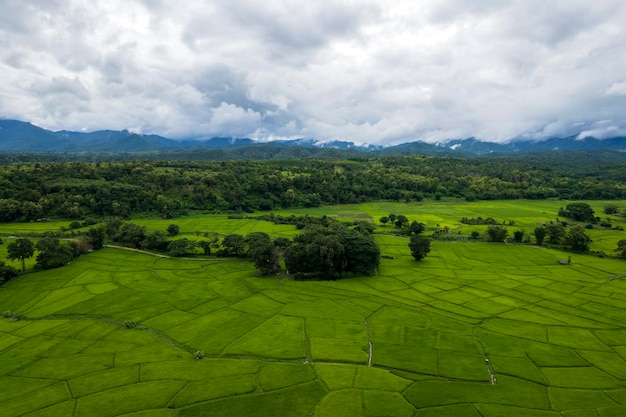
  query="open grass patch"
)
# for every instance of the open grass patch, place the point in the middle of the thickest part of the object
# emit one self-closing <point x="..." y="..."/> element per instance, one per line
<point x="338" y="350"/>
<point x="382" y="404"/>
<point x="575" y="399"/>
<point x="279" y="337"/>
<point x="213" y="388"/>
<point x="508" y="391"/>
<point x="421" y="360"/>
<point x="127" y="399"/>
<point x="275" y="375"/>
<point x="298" y="400"/>
<point x="580" y="377"/>
<point x="347" y="402"/>
<point x="462" y="366"/>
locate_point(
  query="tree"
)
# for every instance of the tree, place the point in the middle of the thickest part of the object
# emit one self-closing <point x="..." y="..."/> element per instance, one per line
<point x="234" y="244"/>
<point x="611" y="209"/>
<point x="328" y="252"/>
<point x="265" y="256"/>
<point x="420" y="246"/>
<point x="7" y="273"/>
<point x="401" y="221"/>
<point x="540" y="234"/>
<point x="181" y="247"/>
<point x="52" y="254"/>
<point x="621" y="248"/>
<point x="392" y="218"/>
<point x="362" y="255"/>
<point x="518" y="236"/>
<point x="581" y="212"/>
<point x="555" y="232"/>
<point x="577" y="239"/>
<point x="173" y="229"/>
<point x="96" y="235"/>
<point x="384" y="220"/>
<point x="20" y="249"/>
<point x="211" y="242"/>
<point x="365" y="227"/>
<point x="156" y="240"/>
<point x="131" y="234"/>
<point x="416" y="227"/>
<point x="497" y="233"/>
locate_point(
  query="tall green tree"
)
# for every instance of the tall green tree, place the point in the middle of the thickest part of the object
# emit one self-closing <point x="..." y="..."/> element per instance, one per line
<point x="556" y="232"/>
<point x="130" y="234"/>
<point x="234" y="244"/>
<point x="7" y="273"/>
<point x="264" y="254"/>
<point x="581" y="212"/>
<point x="96" y="236"/>
<point x="173" y="229"/>
<point x="497" y="233"/>
<point x="155" y="240"/>
<point x="420" y="247"/>
<point x="540" y="234"/>
<point x="416" y="227"/>
<point x="577" y="239"/>
<point x="621" y="248"/>
<point x="401" y="221"/>
<point x="181" y="247"/>
<point x="20" y="249"/>
<point x="53" y="254"/>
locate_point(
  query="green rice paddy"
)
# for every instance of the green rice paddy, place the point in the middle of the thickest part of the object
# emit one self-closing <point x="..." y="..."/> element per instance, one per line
<point x="475" y="329"/>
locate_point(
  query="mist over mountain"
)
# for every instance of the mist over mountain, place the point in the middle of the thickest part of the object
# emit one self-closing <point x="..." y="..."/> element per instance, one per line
<point x="23" y="137"/>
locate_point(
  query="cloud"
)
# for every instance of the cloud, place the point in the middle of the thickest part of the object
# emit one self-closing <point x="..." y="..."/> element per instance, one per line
<point x="616" y="89"/>
<point x="371" y="71"/>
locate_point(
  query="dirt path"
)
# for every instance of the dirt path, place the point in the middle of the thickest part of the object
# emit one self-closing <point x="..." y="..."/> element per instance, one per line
<point x="159" y="255"/>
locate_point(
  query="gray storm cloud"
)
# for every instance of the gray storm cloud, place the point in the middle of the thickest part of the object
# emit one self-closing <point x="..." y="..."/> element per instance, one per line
<point x="368" y="71"/>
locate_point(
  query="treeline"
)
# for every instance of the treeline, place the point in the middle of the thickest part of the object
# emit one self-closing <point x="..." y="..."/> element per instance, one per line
<point x="75" y="190"/>
<point x="325" y="250"/>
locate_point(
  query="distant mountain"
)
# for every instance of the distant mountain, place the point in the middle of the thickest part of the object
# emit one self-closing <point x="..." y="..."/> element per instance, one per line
<point x="23" y="137"/>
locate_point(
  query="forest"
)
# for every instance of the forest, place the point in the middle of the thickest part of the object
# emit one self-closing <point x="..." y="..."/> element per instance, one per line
<point x="36" y="191"/>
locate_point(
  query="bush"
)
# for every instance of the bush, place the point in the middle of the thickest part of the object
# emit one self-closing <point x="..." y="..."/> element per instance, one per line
<point x="420" y="247"/>
<point x="497" y="233"/>
<point x="173" y="229"/>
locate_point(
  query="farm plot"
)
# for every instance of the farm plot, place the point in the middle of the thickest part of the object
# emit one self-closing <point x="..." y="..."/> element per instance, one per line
<point x="473" y="330"/>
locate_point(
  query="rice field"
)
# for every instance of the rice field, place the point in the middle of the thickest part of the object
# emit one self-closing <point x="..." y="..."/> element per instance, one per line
<point x="475" y="329"/>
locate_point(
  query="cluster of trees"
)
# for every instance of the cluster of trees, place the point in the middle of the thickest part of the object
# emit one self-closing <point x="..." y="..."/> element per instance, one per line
<point x="580" y="212"/>
<point x="51" y="252"/>
<point x="573" y="238"/>
<point x="400" y="221"/>
<point x="74" y="190"/>
<point x="327" y="253"/>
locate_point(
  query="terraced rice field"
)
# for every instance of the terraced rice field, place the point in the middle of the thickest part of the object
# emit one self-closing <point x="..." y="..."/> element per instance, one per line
<point x="475" y="329"/>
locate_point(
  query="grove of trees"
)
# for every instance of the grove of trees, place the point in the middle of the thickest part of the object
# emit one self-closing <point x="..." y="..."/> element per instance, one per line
<point x="33" y="191"/>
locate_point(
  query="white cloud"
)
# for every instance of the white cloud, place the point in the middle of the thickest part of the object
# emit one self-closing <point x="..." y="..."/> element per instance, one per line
<point x="616" y="89"/>
<point x="376" y="71"/>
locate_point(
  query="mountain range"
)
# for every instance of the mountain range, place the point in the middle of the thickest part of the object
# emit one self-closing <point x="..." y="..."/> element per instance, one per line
<point x="23" y="137"/>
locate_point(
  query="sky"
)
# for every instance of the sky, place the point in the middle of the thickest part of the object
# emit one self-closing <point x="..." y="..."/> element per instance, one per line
<point x="367" y="71"/>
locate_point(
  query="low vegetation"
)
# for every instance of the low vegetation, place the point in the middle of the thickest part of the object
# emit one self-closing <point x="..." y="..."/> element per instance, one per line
<point x="474" y="328"/>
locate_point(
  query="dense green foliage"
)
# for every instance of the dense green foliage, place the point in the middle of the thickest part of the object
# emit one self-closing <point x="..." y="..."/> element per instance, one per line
<point x="419" y="246"/>
<point x="580" y="212"/>
<point x="74" y="190"/>
<point x="20" y="249"/>
<point x="7" y="273"/>
<point x="328" y="252"/>
<point x="497" y="233"/>
<point x="54" y="254"/>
